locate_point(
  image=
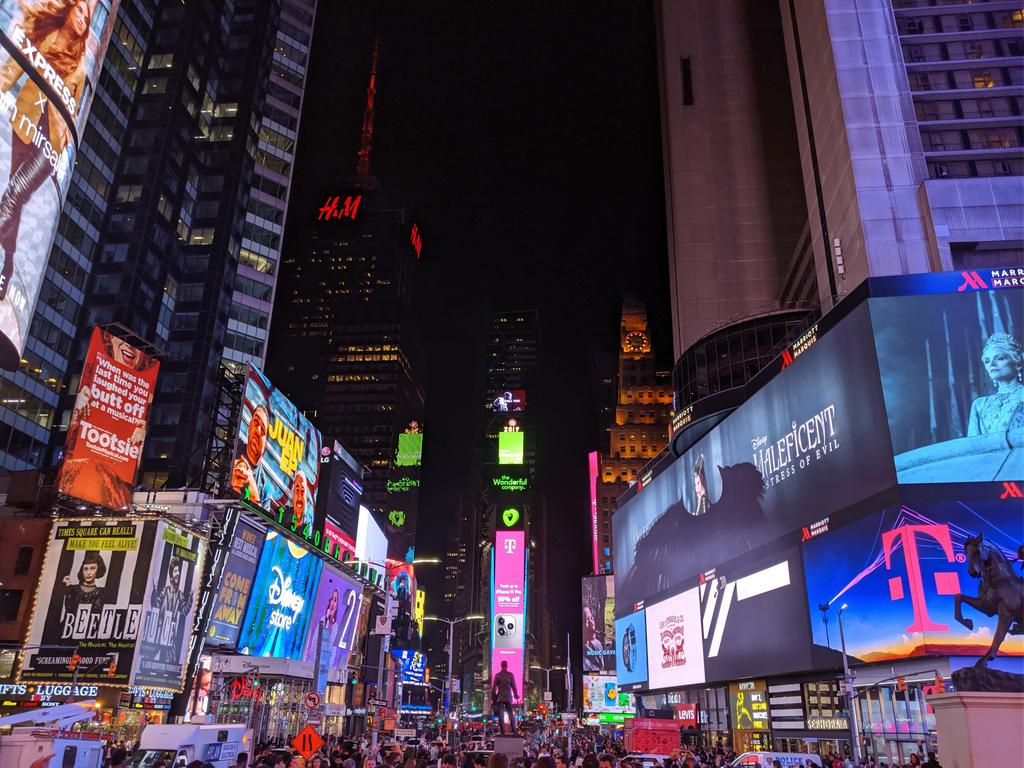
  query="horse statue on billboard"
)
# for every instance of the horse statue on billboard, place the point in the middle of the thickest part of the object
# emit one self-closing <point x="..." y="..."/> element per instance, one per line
<point x="1000" y="593"/>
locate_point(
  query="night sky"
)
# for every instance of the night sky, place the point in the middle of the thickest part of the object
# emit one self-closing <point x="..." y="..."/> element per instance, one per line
<point x="526" y="141"/>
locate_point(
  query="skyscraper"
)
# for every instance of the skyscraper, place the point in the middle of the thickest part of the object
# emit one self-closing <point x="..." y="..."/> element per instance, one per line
<point x="638" y="430"/>
<point x="345" y="342"/>
<point x="172" y="228"/>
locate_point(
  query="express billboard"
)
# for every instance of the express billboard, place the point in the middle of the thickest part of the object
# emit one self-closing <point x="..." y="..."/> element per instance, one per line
<point x="235" y="586"/>
<point x="108" y="422"/>
<point x="598" y="625"/>
<point x="277" y="456"/>
<point x="278" y="616"/>
<point x="508" y="604"/>
<point x="951" y="376"/>
<point x="752" y="478"/>
<point x="905" y="575"/>
<point x="52" y="56"/>
<point x="91" y="594"/>
<point x="174" y="579"/>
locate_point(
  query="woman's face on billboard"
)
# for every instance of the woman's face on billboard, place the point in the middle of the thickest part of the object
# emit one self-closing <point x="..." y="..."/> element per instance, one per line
<point x="78" y="19"/>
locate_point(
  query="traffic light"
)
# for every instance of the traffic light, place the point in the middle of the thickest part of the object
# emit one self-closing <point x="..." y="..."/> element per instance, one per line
<point x="74" y="661"/>
<point x="901" y="684"/>
<point x="940" y="684"/>
<point x="112" y="668"/>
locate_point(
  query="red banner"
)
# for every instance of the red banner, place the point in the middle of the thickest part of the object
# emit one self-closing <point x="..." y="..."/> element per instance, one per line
<point x="108" y="423"/>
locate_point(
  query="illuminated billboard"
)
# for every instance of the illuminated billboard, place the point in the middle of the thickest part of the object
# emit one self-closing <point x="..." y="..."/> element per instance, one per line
<point x="52" y="56"/>
<point x="675" y="653"/>
<point x="281" y="604"/>
<point x="336" y="609"/>
<point x="413" y="665"/>
<point x="92" y="590"/>
<point x="509" y="484"/>
<point x="169" y="613"/>
<point x="508" y="604"/>
<point x="631" y="640"/>
<point x="235" y="586"/>
<point x="371" y="543"/>
<point x="777" y="463"/>
<point x="951" y="376"/>
<point x="401" y="578"/>
<point x="108" y="422"/>
<point x="277" y="456"/>
<point x="903" y="571"/>
<point x="410" y="449"/>
<point x="592" y="472"/>
<point x="598" y="625"/>
<point x="509" y="401"/>
<point x="510" y="448"/>
<point x="601" y="694"/>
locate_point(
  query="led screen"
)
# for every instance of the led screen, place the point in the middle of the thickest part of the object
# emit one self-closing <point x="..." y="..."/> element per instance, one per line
<point x="235" y="586"/>
<point x="899" y="573"/>
<point x="950" y="367"/>
<point x="413" y="665"/>
<point x="508" y="604"/>
<point x="277" y="456"/>
<point x="281" y="604"/>
<point x="174" y="578"/>
<point x="336" y="608"/>
<point x="108" y="422"/>
<point x="410" y="449"/>
<point x="510" y="447"/>
<point x="598" y="625"/>
<point x="402" y="584"/>
<point x="601" y="694"/>
<point x="675" y="654"/>
<point x="780" y="461"/>
<point x="46" y="87"/>
<point x="371" y="543"/>
<point x="509" y="401"/>
<point x="94" y="583"/>
<point x="631" y="640"/>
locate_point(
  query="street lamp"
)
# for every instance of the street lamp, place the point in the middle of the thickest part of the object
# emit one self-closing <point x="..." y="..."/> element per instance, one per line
<point x="848" y="683"/>
<point x="451" y="646"/>
<point x="547" y="674"/>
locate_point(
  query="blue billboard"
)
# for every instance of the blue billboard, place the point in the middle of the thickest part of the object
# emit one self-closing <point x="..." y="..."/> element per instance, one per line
<point x="631" y="639"/>
<point x="235" y="586"/>
<point x="281" y="603"/>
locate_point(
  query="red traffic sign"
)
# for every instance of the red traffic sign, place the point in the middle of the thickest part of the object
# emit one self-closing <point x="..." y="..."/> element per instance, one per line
<point x="312" y="700"/>
<point x="307" y="742"/>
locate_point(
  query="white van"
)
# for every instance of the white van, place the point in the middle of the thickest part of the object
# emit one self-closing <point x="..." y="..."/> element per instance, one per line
<point x="179" y="745"/>
<point x="70" y="749"/>
<point x="766" y="760"/>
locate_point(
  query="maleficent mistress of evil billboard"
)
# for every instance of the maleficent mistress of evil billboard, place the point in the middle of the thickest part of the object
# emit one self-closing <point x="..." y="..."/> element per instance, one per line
<point x="91" y="594"/>
<point x="50" y="59"/>
<point x="811" y="441"/>
<point x="170" y="608"/>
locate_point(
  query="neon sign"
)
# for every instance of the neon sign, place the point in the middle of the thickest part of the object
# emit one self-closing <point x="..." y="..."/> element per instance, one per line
<point x="330" y="211"/>
<point x="246" y="688"/>
<point x="403" y="484"/>
<point x="416" y="239"/>
<point x="508" y="483"/>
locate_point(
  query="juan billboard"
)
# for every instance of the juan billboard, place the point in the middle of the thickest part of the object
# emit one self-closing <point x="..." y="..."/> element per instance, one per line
<point x="508" y="604"/>
<point x="277" y="456"/>
<point x="812" y="440"/>
<point x="91" y="594"/>
<point x="235" y="586"/>
<point x="108" y="422"/>
<point x="52" y="56"/>
<point x="281" y="604"/>
<point x="174" y="580"/>
<point x="906" y="571"/>
<point x="598" y="625"/>
<point x="951" y="377"/>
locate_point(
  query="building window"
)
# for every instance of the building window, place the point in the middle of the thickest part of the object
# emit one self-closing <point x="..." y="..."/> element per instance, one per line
<point x="10" y="602"/>
<point x="687" y="78"/>
<point x="24" y="561"/>
<point x="982" y="79"/>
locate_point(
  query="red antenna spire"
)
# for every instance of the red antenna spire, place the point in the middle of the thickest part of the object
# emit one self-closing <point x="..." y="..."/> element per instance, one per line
<point x="363" y="155"/>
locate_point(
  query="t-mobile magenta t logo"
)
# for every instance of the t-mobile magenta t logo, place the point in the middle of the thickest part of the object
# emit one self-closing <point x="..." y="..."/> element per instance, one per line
<point x="510" y="546"/>
<point x="946" y="582"/>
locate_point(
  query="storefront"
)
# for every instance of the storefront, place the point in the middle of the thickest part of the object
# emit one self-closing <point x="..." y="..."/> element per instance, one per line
<point x="807" y="716"/>
<point x="710" y="708"/>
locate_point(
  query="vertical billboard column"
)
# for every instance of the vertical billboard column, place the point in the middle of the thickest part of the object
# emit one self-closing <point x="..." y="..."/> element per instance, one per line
<point x="592" y="479"/>
<point x="108" y="423"/>
<point x="52" y="53"/>
<point x="508" y="604"/>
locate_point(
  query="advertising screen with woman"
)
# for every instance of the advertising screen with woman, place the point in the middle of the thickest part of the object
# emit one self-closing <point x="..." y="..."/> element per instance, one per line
<point x="51" y="52"/>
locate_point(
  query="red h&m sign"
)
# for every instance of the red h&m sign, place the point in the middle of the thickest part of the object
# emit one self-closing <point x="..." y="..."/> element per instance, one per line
<point x="334" y="209"/>
<point x="416" y="239"/>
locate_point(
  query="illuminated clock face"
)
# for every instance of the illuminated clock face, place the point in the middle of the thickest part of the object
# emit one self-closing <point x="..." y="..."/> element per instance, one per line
<point x="636" y="341"/>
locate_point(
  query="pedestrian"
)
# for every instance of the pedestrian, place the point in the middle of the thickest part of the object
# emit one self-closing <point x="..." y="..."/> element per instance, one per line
<point x="606" y="760"/>
<point x="932" y="762"/>
<point x="544" y="761"/>
<point x="498" y="760"/>
<point x="118" y="755"/>
<point x="242" y="761"/>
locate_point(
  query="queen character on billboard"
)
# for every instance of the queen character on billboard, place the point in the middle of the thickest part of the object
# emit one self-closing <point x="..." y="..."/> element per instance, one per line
<point x="1002" y="358"/>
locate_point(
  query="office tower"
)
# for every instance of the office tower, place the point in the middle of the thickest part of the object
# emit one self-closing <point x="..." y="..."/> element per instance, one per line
<point x="345" y="343"/>
<point x="172" y="228"/>
<point x="897" y="149"/>
<point x="638" y="429"/>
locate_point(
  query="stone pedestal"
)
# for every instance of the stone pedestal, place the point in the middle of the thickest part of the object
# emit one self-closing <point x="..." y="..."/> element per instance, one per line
<point x="510" y="746"/>
<point x="977" y="729"/>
